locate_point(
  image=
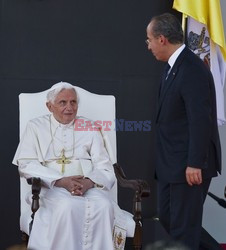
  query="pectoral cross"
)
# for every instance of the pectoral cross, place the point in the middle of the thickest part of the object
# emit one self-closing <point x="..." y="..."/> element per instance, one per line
<point x="63" y="160"/>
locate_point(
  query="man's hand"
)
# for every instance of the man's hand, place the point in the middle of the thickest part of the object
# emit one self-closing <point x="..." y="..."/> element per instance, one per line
<point x="193" y="176"/>
<point x="71" y="183"/>
<point x="76" y="185"/>
<point x="86" y="184"/>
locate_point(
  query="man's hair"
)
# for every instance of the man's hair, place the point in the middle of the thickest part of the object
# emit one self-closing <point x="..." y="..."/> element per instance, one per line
<point x="57" y="88"/>
<point x="168" y="26"/>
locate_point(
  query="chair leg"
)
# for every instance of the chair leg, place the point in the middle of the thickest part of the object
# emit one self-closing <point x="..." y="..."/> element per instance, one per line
<point x="36" y="189"/>
<point x="24" y="238"/>
<point x="137" y="239"/>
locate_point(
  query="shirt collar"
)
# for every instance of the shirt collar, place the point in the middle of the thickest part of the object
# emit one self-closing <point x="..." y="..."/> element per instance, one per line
<point x="55" y="124"/>
<point x="174" y="56"/>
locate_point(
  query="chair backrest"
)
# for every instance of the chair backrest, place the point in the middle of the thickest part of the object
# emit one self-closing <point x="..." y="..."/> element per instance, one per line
<point x="92" y="106"/>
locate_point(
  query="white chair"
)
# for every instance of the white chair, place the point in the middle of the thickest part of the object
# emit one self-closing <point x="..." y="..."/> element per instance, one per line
<point x="95" y="107"/>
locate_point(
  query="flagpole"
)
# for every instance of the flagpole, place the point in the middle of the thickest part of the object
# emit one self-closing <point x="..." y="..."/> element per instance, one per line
<point x="184" y="26"/>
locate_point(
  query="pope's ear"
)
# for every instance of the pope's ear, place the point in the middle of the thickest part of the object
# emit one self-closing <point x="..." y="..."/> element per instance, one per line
<point x="49" y="106"/>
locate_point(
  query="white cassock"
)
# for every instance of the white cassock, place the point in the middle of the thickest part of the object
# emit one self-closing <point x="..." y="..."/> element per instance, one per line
<point x="64" y="221"/>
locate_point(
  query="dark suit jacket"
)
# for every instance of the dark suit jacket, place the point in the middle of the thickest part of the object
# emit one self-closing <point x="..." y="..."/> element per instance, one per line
<point x="186" y="122"/>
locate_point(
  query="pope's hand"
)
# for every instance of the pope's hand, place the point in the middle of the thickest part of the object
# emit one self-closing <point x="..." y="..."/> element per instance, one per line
<point x="193" y="176"/>
<point x="76" y="185"/>
<point x="71" y="183"/>
<point x="86" y="184"/>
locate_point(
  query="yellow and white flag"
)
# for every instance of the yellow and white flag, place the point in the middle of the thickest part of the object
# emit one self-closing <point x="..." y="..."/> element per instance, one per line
<point x="205" y="37"/>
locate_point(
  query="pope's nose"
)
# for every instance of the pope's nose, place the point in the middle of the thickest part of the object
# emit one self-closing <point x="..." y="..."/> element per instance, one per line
<point x="69" y="107"/>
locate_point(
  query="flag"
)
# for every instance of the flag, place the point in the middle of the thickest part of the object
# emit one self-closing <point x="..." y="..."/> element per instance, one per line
<point x="205" y="37"/>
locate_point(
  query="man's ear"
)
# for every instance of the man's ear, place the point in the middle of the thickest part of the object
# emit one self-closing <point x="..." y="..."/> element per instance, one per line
<point x="162" y="39"/>
<point x="49" y="106"/>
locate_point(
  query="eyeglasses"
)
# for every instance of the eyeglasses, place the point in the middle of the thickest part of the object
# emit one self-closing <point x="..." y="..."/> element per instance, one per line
<point x="147" y="42"/>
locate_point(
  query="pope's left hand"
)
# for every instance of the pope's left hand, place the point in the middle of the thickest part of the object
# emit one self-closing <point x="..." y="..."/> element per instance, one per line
<point x="86" y="184"/>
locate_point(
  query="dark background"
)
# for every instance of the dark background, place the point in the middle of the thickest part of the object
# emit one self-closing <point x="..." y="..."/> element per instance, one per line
<point x="95" y="44"/>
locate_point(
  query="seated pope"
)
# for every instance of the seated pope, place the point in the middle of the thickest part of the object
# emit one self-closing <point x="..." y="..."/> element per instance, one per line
<point x="76" y="211"/>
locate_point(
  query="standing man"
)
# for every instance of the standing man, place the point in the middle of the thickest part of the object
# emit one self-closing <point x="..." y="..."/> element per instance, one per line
<point x="187" y="140"/>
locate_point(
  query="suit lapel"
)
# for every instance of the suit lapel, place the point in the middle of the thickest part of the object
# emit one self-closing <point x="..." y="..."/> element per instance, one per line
<point x="170" y="80"/>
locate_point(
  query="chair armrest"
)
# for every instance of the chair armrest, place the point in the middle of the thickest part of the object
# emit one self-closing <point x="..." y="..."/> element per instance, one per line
<point x="142" y="189"/>
<point x="140" y="186"/>
<point x="36" y="185"/>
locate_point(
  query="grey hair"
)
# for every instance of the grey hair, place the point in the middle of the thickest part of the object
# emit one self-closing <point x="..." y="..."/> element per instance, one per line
<point x="168" y="26"/>
<point x="52" y="94"/>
